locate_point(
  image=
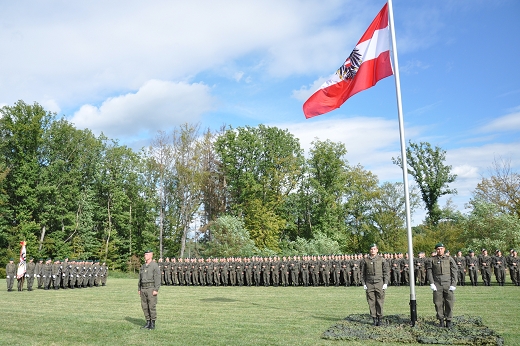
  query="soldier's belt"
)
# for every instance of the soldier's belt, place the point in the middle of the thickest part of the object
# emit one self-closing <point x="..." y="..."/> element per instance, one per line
<point x="147" y="284"/>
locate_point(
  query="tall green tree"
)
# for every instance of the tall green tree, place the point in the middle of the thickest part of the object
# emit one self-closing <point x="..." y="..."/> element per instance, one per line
<point x="427" y="166"/>
<point x="262" y="166"/>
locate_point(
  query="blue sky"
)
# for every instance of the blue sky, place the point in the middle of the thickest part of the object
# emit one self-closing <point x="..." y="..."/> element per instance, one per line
<point x="131" y="68"/>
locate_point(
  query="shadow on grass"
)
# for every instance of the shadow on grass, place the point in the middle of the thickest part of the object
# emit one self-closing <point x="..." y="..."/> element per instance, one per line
<point x="136" y="321"/>
<point x="324" y="318"/>
<point x="219" y="300"/>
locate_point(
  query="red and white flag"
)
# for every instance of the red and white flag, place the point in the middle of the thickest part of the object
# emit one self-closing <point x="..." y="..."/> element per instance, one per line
<point x="367" y="64"/>
<point x="21" y="265"/>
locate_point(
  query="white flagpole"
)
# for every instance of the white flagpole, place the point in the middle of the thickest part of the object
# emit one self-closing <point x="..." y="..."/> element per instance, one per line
<point x="413" y="302"/>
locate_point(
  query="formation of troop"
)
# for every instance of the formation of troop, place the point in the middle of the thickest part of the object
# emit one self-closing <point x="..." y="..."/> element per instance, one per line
<point x="58" y="274"/>
<point x="327" y="270"/>
<point x="484" y="265"/>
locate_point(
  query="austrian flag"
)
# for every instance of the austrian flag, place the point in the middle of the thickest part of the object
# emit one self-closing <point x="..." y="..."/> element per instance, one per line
<point x="366" y="65"/>
<point x="21" y="265"/>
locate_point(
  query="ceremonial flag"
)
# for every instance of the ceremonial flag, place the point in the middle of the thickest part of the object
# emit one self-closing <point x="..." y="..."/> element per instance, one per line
<point x="21" y="266"/>
<point x="366" y="65"/>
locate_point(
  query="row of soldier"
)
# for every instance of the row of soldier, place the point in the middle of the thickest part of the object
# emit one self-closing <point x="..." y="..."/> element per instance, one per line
<point x="326" y="270"/>
<point x="59" y="274"/>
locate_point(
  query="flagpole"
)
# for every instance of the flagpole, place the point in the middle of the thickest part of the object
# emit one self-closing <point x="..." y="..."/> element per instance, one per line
<point x="413" y="302"/>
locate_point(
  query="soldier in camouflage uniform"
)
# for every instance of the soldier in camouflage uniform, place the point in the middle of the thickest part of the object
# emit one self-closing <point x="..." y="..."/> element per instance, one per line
<point x="148" y="288"/>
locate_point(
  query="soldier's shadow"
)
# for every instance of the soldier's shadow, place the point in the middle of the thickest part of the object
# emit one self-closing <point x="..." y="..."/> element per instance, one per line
<point x="136" y="321"/>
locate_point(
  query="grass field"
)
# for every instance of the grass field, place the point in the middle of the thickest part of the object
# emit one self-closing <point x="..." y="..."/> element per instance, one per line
<point x="112" y="315"/>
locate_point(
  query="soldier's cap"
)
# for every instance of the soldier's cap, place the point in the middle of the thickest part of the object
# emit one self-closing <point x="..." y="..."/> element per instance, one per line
<point x="148" y="251"/>
<point x="471" y="251"/>
<point x="497" y="250"/>
<point x="484" y="250"/>
<point x="41" y="259"/>
<point x="31" y="259"/>
<point x="48" y="258"/>
<point x="373" y="245"/>
<point x="11" y="259"/>
<point x="439" y="245"/>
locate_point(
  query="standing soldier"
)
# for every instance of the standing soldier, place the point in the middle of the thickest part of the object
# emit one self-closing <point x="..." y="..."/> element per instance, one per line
<point x="65" y="273"/>
<point x="39" y="272"/>
<point x="10" y="272"/>
<point x="148" y="288"/>
<point x="499" y="265"/>
<point x="30" y="273"/>
<point x="275" y="271"/>
<point x="461" y="268"/>
<point x="257" y="270"/>
<point x="420" y="269"/>
<point x="345" y="270"/>
<point x="56" y="274"/>
<point x="405" y="269"/>
<point x="396" y="270"/>
<point x="356" y="273"/>
<point x="284" y="269"/>
<point x="514" y="263"/>
<point x="442" y="275"/>
<point x="315" y="271"/>
<point x="485" y="267"/>
<point x="374" y="277"/>
<point x="47" y="274"/>
<point x="232" y="271"/>
<point x="104" y="274"/>
<point x="472" y="265"/>
<point x="304" y="267"/>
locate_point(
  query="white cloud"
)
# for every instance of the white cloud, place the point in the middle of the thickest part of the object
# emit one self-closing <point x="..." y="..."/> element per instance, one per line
<point x="157" y="105"/>
<point x="509" y="122"/>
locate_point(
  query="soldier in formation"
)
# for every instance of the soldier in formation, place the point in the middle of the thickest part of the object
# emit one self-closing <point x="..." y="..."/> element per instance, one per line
<point x="63" y="274"/>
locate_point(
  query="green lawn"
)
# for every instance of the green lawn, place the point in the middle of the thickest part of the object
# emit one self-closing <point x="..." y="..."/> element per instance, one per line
<point x="112" y="315"/>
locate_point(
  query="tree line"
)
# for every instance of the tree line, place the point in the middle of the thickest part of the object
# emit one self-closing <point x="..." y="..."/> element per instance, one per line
<point x="233" y="192"/>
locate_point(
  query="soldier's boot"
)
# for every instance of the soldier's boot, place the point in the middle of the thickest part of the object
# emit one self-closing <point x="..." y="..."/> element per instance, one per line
<point x="147" y="325"/>
<point x="441" y="323"/>
<point x="152" y="325"/>
<point x="375" y="321"/>
<point x="378" y="321"/>
<point x="448" y="324"/>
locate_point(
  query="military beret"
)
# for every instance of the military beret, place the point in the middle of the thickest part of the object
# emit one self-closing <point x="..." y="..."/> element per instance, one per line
<point x="484" y="250"/>
<point x="41" y="259"/>
<point x="471" y="251"/>
<point x="11" y="259"/>
<point x="439" y="245"/>
<point x="149" y="251"/>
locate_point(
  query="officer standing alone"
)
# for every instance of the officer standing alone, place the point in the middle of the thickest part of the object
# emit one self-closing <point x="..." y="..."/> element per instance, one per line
<point x="148" y="288"/>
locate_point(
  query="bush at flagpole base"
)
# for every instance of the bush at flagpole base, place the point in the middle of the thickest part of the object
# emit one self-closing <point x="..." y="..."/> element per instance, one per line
<point x="397" y="329"/>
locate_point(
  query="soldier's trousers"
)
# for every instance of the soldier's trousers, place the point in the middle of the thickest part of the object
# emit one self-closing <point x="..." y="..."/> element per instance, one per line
<point x="233" y="277"/>
<point x="47" y="282"/>
<point x="202" y="278"/>
<point x="209" y="278"/>
<point x="375" y="298"/>
<point x="30" y="282"/>
<point x="396" y="277"/>
<point x="10" y="282"/>
<point x="148" y="304"/>
<point x="443" y="299"/>
<point x="325" y="275"/>
<point x="40" y="281"/>
<point x="294" y="277"/>
<point x="249" y="277"/>
<point x="276" y="278"/>
<point x="421" y="276"/>
<point x="265" y="277"/>
<point x="336" y="274"/>
<point x="461" y="277"/>
<point x="473" y="276"/>
<point x="500" y="275"/>
<point x="305" y="278"/>
<point x="315" y="278"/>
<point x="356" y="277"/>
<point x="346" y="277"/>
<point x="285" y="277"/>
<point x="19" y="284"/>
<point x="486" y="276"/>
<point x="240" y="278"/>
<point x="257" y="278"/>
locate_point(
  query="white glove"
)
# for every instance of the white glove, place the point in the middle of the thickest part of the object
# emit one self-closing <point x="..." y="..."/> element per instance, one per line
<point x="453" y="288"/>
<point x="44" y="276"/>
<point x="8" y="277"/>
<point x="77" y="276"/>
<point x="63" y="275"/>
<point x="365" y="287"/>
<point x="26" y="275"/>
<point x="433" y="287"/>
<point x="38" y="275"/>
<point x="35" y="275"/>
<point x="54" y="276"/>
<point x="385" y="286"/>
